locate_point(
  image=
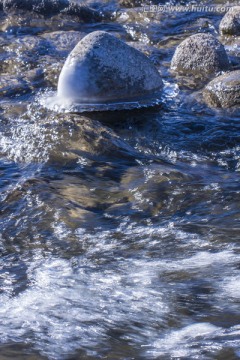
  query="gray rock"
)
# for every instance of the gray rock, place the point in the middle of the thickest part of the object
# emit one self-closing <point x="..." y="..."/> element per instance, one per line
<point x="102" y="68"/>
<point x="232" y="47"/>
<point x="230" y="24"/>
<point x="223" y="91"/>
<point x="200" y="56"/>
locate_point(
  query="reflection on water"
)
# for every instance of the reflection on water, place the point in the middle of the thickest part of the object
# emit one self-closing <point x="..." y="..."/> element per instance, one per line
<point x="119" y="231"/>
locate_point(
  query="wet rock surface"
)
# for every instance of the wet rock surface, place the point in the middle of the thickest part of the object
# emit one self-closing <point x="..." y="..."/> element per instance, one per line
<point x="52" y="7"/>
<point x="82" y="136"/>
<point x="201" y="56"/>
<point x="22" y="54"/>
<point x="11" y="85"/>
<point x="52" y="69"/>
<point x="223" y="91"/>
<point x="230" y="23"/>
<point x="45" y="7"/>
<point x="84" y="13"/>
<point x="106" y="214"/>
<point x="130" y="3"/>
<point x="232" y="47"/>
<point x="95" y="72"/>
<point x="61" y="43"/>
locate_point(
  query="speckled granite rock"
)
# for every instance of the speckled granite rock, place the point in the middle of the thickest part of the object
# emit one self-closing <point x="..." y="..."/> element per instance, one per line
<point x="103" y="68"/>
<point x="200" y="55"/>
<point x="223" y="91"/>
<point x="230" y="23"/>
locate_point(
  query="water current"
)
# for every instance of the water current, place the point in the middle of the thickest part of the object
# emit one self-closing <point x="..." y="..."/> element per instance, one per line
<point x="119" y="231"/>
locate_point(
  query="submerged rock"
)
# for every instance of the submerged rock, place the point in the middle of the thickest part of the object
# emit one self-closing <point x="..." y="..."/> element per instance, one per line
<point x="52" y="7"/>
<point x="230" y="24"/>
<point x="60" y="43"/>
<point x="223" y="91"/>
<point x="16" y="86"/>
<point x="47" y="52"/>
<point x="51" y="72"/>
<point x="200" y="55"/>
<point x="130" y="3"/>
<point x="102" y="69"/>
<point x="82" y="136"/>
<point x="12" y="85"/>
<point x="45" y="7"/>
<point x="83" y="12"/>
<point x="22" y="54"/>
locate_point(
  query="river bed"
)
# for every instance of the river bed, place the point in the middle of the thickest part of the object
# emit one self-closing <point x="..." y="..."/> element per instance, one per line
<point x="119" y="231"/>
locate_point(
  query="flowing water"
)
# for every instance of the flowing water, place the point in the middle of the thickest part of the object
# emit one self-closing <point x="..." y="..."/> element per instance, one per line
<point x="119" y="231"/>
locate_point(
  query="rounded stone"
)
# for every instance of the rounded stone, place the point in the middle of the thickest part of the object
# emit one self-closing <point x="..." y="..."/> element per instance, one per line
<point x="230" y="23"/>
<point x="223" y="91"/>
<point x="200" y="55"/>
<point x="102" y="70"/>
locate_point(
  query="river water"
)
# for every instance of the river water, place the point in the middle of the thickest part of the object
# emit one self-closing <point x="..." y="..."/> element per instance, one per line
<point x="119" y="232"/>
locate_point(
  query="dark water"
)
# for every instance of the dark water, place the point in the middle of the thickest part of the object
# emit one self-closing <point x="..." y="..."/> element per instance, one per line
<point x="119" y="231"/>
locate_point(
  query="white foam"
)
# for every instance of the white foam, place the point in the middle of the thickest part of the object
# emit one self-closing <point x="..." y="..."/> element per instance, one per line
<point x="178" y="343"/>
<point x="64" y="308"/>
<point x="230" y="287"/>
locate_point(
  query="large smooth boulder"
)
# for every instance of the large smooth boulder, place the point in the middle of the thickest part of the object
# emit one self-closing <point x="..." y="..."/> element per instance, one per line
<point x="102" y="68"/>
<point x="200" y="55"/>
<point x="230" y="23"/>
<point x="223" y="91"/>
